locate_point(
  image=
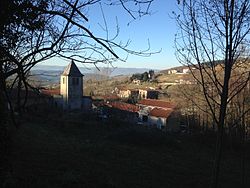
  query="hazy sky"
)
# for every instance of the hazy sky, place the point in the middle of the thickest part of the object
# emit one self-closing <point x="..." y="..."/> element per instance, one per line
<point x="159" y="28"/>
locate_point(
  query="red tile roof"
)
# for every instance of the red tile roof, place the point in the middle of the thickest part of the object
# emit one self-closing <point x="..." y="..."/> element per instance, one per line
<point x="106" y="97"/>
<point x="159" y="112"/>
<point x="157" y="103"/>
<point x="110" y="97"/>
<point x="50" y="91"/>
<point x="124" y="106"/>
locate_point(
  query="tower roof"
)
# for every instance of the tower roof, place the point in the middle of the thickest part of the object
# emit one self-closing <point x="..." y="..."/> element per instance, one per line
<point x="72" y="70"/>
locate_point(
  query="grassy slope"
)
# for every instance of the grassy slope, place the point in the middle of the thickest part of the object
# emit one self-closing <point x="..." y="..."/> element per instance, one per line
<point x="70" y="153"/>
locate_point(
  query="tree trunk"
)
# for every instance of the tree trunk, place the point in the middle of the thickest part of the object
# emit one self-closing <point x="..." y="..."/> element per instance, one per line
<point x="3" y="130"/>
<point x="222" y="117"/>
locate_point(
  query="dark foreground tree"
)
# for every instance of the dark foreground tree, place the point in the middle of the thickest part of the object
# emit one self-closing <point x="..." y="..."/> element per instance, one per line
<point x="36" y="30"/>
<point x="32" y="31"/>
<point x="214" y="42"/>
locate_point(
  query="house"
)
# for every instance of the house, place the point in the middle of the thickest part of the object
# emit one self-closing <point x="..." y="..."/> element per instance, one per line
<point x="148" y="94"/>
<point x="138" y="93"/>
<point x="172" y="71"/>
<point x="166" y="119"/>
<point x="124" y="106"/>
<point x="70" y="96"/>
<point x="127" y="93"/>
<point x="151" y="74"/>
<point x="180" y="70"/>
<point x="156" y="103"/>
<point x="185" y="70"/>
<point x="124" y="93"/>
<point x="159" y="114"/>
<point x="137" y="81"/>
<point x="123" y="111"/>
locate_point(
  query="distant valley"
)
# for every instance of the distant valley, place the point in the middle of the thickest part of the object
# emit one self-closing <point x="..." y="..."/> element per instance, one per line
<point x="50" y="74"/>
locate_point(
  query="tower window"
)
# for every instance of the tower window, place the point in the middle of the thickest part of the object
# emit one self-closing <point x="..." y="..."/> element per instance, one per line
<point x="75" y="81"/>
<point x="63" y="80"/>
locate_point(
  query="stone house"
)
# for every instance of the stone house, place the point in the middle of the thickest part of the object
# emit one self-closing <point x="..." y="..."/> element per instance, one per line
<point x="152" y="103"/>
<point x="123" y="111"/>
<point x="148" y="94"/>
<point x="127" y="93"/>
<point x="172" y="71"/>
<point x="164" y="119"/>
<point x="138" y="93"/>
<point x="137" y="81"/>
<point x="124" y="93"/>
<point x="159" y="114"/>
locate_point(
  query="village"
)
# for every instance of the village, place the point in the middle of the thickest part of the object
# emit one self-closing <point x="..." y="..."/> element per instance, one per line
<point x="124" y="94"/>
<point x="140" y="106"/>
<point x="91" y="133"/>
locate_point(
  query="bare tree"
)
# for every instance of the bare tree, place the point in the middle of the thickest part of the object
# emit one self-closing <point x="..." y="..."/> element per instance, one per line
<point x="32" y="31"/>
<point x="37" y="30"/>
<point x="210" y="42"/>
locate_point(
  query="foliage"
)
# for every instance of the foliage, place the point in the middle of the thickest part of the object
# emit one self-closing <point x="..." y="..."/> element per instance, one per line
<point x="143" y="77"/>
<point x="136" y="77"/>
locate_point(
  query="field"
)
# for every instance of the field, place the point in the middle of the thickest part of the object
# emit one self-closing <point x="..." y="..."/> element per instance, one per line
<point x="76" y="151"/>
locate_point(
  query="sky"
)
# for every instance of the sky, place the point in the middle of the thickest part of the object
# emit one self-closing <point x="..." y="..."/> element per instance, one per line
<point x="158" y="28"/>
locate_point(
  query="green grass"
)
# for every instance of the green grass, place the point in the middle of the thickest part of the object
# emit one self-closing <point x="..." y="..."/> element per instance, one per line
<point x="77" y="151"/>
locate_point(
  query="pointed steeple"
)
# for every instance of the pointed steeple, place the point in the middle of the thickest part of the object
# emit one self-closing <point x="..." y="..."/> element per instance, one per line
<point x="72" y="70"/>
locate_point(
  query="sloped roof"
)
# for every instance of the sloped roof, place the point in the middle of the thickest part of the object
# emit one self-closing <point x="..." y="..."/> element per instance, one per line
<point x="159" y="112"/>
<point x="157" y="103"/>
<point x="72" y="70"/>
<point x="148" y="89"/>
<point x="50" y="91"/>
<point x="110" y="97"/>
<point x="124" y="106"/>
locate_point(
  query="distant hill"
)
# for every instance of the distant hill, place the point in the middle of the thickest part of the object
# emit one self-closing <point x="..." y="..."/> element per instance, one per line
<point x="51" y="74"/>
<point x="103" y="70"/>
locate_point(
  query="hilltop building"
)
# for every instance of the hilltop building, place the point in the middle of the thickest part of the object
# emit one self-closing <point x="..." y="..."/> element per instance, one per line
<point x="148" y="94"/>
<point x="138" y="93"/>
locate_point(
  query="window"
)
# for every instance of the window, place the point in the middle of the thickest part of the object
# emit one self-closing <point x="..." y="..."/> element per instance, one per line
<point x="63" y="80"/>
<point x="75" y="81"/>
<point x="145" y="118"/>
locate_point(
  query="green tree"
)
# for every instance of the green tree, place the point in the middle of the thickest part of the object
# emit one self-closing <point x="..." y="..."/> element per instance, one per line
<point x="145" y="76"/>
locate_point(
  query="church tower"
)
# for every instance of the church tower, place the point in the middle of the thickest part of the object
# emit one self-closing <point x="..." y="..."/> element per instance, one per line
<point x="71" y="87"/>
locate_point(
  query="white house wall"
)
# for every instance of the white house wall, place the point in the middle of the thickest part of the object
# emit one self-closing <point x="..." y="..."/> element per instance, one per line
<point x="64" y="86"/>
<point x="159" y="122"/>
